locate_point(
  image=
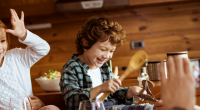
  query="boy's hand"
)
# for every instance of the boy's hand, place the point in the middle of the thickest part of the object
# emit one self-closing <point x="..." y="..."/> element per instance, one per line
<point x="111" y="85"/>
<point x="133" y="91"/>
<point x="19" y="29"/>
<point x="36" y="103"/>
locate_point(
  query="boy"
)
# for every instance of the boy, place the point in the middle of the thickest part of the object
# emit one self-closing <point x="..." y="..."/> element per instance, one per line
<point x="87" y="75"/>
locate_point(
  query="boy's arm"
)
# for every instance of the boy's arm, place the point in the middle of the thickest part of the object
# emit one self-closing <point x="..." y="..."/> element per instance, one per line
<point x="95" y="92"/>
<point x="110" y="85"/>
<point x="120" y="95"/>
<point x="72" y="93"/>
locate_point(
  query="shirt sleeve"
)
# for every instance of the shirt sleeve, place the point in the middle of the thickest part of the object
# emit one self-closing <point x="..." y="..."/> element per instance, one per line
<point x="71" y="91"/>
<point x="37" y="48"/>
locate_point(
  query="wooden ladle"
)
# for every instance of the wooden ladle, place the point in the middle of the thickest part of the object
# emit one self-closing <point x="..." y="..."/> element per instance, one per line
<point x="136" y="62"/>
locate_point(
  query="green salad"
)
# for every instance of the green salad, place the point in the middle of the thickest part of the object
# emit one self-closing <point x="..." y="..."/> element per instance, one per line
<point x="51" y="75"/>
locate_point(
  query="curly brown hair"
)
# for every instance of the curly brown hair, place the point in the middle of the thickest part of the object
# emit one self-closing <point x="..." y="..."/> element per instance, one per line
<point x="99" y="28"/>
<point x="2" y="25"/>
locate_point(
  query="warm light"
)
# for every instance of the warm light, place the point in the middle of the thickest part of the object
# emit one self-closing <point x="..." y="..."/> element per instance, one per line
<point x="38" y="26"/>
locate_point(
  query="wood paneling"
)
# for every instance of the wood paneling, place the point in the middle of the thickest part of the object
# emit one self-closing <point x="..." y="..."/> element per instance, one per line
<point x="30" y="7"/>
<point x="144" y="2"/>
<point x="198" y="100"/>
<point x="164" y="28"/>
<point x="5" y="3"/>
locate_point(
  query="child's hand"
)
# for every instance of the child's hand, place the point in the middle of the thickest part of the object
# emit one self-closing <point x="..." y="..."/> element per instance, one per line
<point x="36" y="103"/>
<point x="111" y="85"/>
<point x="133" y="91"/>
<point x="19" y="29"/>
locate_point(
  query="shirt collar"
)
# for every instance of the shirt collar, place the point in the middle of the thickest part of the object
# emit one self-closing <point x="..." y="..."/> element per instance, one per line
<point x="75" y="57"/>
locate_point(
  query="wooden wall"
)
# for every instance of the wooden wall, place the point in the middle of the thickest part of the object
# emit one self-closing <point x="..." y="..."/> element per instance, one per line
<point x="30" y="7"/>
<point x="164" y="28"/>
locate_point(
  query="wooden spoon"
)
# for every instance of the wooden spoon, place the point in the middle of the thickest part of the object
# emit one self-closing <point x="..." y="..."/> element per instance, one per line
<point x="115" y="73"/>
<point x="136" y="62"/>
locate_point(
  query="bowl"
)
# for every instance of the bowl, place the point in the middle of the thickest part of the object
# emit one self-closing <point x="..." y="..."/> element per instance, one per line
<point x="49" y="84"/>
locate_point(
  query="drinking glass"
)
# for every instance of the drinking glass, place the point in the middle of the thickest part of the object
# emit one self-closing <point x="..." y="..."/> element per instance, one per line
<point x="24" y="104"/>
<point x="91" y="105"/>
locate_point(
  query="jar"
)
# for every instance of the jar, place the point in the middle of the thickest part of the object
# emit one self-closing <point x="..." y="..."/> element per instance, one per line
<point x="183" y="54"/>
<point x="153" y="70"/>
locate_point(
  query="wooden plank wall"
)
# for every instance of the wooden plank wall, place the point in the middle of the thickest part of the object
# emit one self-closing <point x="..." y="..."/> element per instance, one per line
<point x="144" y="2"/>
<point x="30" y="7"/>
<point x="6" y="3"/>
<point x="164" y="28"/>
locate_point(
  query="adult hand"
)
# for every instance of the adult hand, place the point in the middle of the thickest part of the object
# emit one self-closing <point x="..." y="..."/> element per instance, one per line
<point x="159" y="106"/>
<point x="36" y="103"/>
<point x="111" y="85"/>
<point x="19" y="29"/>
<point x="196" y="107"/>
<point x="179" y="89"/>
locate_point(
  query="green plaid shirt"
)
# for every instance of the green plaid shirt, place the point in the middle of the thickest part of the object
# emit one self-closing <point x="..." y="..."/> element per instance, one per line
<point x="76" y="84"/>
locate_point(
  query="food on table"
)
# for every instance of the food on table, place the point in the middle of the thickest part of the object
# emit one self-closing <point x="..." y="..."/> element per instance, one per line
<point x="51" y="75"/>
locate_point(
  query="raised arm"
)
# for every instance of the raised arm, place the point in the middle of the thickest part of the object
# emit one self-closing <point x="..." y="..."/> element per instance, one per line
<point x="18" y="25"/>
<point x="37" y="47"/>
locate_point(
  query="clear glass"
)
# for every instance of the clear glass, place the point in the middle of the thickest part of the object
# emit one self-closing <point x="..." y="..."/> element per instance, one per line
<point x="91" y="105"/>
<point x="25" y="104"/>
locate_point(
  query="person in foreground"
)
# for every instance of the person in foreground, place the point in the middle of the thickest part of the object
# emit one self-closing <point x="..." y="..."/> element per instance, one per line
<point x="87" y="75"/>
<point x="178" y="90"/>
<point x="15" y="64"/>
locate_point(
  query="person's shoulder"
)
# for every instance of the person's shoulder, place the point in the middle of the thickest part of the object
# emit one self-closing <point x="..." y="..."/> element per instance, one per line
<point x="70" y="67"/>
<point x="71" y="63"/>
<point x="13" y="51"/>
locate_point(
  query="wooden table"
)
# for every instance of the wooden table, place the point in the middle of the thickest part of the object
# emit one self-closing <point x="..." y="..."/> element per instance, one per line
<point x="49" y="98"/>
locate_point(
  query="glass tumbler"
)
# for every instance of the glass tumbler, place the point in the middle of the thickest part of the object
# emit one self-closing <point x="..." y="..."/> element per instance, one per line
<point x="91" y="105"/>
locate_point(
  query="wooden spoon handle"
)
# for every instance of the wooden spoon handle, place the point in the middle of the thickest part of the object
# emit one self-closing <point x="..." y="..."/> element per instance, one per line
<point x="136" y="62"/>
<point x="106" y="94"/>
<point x="115" y="73"/>
<point x="124" y="75"/>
